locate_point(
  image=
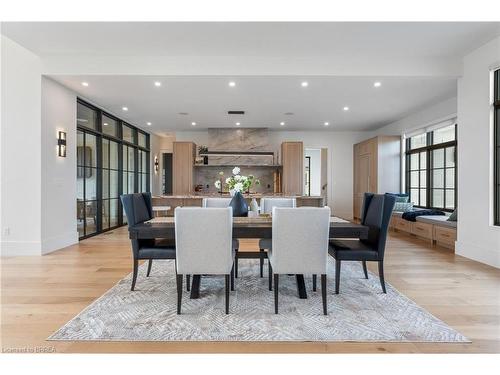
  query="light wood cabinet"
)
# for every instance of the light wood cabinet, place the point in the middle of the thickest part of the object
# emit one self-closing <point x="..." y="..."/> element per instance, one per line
<point x="376" y="168"/>
<point x="292" y="159"/>
<point x="183" y="167"/>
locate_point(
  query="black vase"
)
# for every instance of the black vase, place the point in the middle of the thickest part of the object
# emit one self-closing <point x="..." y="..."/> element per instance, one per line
<point x="239" y="205"/>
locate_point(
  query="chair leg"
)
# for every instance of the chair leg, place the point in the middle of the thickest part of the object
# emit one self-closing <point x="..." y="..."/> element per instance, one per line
<point x="236" y="263"/>
<point x="150" y="264"/>
<point x="134" y="276"/>
<point x="314" y="283"/>
<point x="188" y="283"/>
<point x="232" y="278"/>
<point x="179" y="293"/>
<point x="261" y="262"/>
<point x="227" y="293"/>
<point x="337" y="276"/>
<point x="323" y="293"/>
<point x="276" y="282"/>
<point x="381" y="274"/>
<point x="364" y="269"/>
<point x="270" y="276"/>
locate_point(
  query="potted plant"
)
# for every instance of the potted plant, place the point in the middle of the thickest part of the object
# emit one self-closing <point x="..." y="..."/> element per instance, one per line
<point x="202" y="151"/>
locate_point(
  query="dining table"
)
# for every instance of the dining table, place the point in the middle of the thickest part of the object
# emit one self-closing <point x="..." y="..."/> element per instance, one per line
<point x="163" y="228"/>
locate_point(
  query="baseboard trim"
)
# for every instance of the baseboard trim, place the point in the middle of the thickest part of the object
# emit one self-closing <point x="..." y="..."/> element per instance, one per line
<point x="20" y="248"/>
<point x="58" y="242"/>
<point x="481" y="254"/>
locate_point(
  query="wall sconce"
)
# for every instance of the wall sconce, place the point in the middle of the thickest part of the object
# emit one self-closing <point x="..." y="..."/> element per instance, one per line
<point x="61" y="144"/>
<point x="157" y="164"/>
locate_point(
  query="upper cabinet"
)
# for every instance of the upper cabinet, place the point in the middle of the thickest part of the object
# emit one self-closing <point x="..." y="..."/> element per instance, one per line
<point x="376" y="163"/>
<point x="183" y="157"/>
<point x="292" y="159"/>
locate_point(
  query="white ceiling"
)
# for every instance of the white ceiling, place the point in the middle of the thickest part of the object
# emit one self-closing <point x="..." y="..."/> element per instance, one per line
<point x="298" y="39"/>
<point x="413" y="61"/>
<point x="207" y="99"/>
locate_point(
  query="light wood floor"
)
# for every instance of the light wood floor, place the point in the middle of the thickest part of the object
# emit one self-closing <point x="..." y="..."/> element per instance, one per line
<point x="40" y="294"/>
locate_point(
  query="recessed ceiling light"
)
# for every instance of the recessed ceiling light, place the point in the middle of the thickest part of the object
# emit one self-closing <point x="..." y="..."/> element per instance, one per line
<point x="148" y="124"/>
<point x="193" y="123"/>
<point x="238" y="124"/>
<point x="157" y="83"/>
<point x="346" y="108"/>
<point x="125" y="108"/>
<point x="232" y="84"/>
<point x="85" y="84"/>
<point x="326" y="123"/>
<point x="304" y="84"/>
<point x="105" y="124"/>
<point x="282" y="123"/>
<point x="377" y="84"/>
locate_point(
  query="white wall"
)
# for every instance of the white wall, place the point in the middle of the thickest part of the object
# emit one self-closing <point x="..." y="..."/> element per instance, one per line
<point x="425" y="116"/>
<point x="478" y="239"/>
<point x="340" y="167"/>
<point x="315" y="172"/>
<point x="158" y="146"/>
<point x="20" y="200"/>
<point x="59" y="173"/>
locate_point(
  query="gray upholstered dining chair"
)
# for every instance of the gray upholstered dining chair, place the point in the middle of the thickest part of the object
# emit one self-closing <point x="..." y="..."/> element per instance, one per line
<point x="203" y="238"/>
<point x="266" y="207"/>
<point x="138" y="209"/>
<point x="299" y="246"/>
<point x="376" y="214"/>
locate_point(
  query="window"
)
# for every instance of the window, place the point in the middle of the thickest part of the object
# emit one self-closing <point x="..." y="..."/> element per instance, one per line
<point x="496" y="115"/>
<point x="431" y="168"/>
<point x="109" y="163"/>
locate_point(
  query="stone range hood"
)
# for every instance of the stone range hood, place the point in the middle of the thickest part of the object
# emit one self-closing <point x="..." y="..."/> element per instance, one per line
<point x="242" y="147"/>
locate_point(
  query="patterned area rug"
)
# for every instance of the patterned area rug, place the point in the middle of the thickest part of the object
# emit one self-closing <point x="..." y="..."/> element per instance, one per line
<point x="361" y="312"/>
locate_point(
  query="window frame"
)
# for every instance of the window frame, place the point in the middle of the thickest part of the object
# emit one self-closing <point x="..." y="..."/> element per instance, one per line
<point x="496" y="148"/>
<point x="428" y="149"/>
<point x="100" y="136"/>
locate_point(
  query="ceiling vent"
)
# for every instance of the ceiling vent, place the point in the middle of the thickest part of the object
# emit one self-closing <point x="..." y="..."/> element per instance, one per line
<point x="235" y="112"/>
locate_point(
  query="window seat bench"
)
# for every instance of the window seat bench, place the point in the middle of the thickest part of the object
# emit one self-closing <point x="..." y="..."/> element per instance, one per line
<point x="436" y="229"/>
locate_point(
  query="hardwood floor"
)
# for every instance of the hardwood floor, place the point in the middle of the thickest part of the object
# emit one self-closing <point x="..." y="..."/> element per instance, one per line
<point x="40" y="294"/>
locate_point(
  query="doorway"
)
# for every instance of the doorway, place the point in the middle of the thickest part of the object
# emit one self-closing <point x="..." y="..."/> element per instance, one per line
<point x="316" y="172"/>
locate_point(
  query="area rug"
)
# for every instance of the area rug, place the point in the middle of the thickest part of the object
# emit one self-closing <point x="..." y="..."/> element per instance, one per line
<point x="360" y="313"/>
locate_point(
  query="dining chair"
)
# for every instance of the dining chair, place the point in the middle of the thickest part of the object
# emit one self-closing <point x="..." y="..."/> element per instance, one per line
<point x="376" y="214"/>
<point x="222" y="203"/>
<point x="203" y="238"/>
<point x="138" y="209"/>
<point x="299" y="246"/>
<point x="266" y="207"/>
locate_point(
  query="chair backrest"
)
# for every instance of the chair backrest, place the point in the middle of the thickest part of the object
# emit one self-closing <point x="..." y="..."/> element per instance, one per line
<point x="216" y="202"/>
<point x="376" y="214"/>
<point x="138" y="207"/>
<point x="267" y="204"/>
<point x="203" y="238"/>
<point x="300" y="240"/>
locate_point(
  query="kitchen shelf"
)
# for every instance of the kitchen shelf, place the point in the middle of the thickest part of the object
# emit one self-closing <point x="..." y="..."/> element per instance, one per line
<point x="237" y="165"/>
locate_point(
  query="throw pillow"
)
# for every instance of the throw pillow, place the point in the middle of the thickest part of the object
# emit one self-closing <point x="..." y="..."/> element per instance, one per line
<point x="453" y="216"/>
<point x="403" y="206"/>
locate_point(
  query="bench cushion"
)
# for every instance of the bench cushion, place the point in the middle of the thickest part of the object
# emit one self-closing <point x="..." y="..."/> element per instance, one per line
<point x="437" y="220"/>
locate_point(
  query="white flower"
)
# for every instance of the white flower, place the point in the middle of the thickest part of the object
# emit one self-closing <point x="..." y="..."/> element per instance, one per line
<point x="238" y="186"/>
<point x="221" y="173"/>
<point x="228" y="180"/>
<point x="217" y="184"/>
<point x="243" y="178"/>
<point x="236" y="170"/>
<point x="237" y="177"/>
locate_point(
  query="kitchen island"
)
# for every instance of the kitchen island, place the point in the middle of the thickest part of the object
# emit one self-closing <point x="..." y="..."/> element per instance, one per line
<point x="195" y="200"/>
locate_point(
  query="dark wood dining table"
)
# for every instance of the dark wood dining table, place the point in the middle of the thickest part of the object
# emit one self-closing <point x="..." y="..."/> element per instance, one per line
<point x="243" y="227"/>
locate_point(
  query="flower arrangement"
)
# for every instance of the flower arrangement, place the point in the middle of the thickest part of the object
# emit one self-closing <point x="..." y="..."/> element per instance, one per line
<point x="237" y="182"/>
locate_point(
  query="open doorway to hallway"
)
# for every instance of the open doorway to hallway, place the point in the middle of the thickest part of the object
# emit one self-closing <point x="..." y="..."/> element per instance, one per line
<point x="315" y="172"/>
